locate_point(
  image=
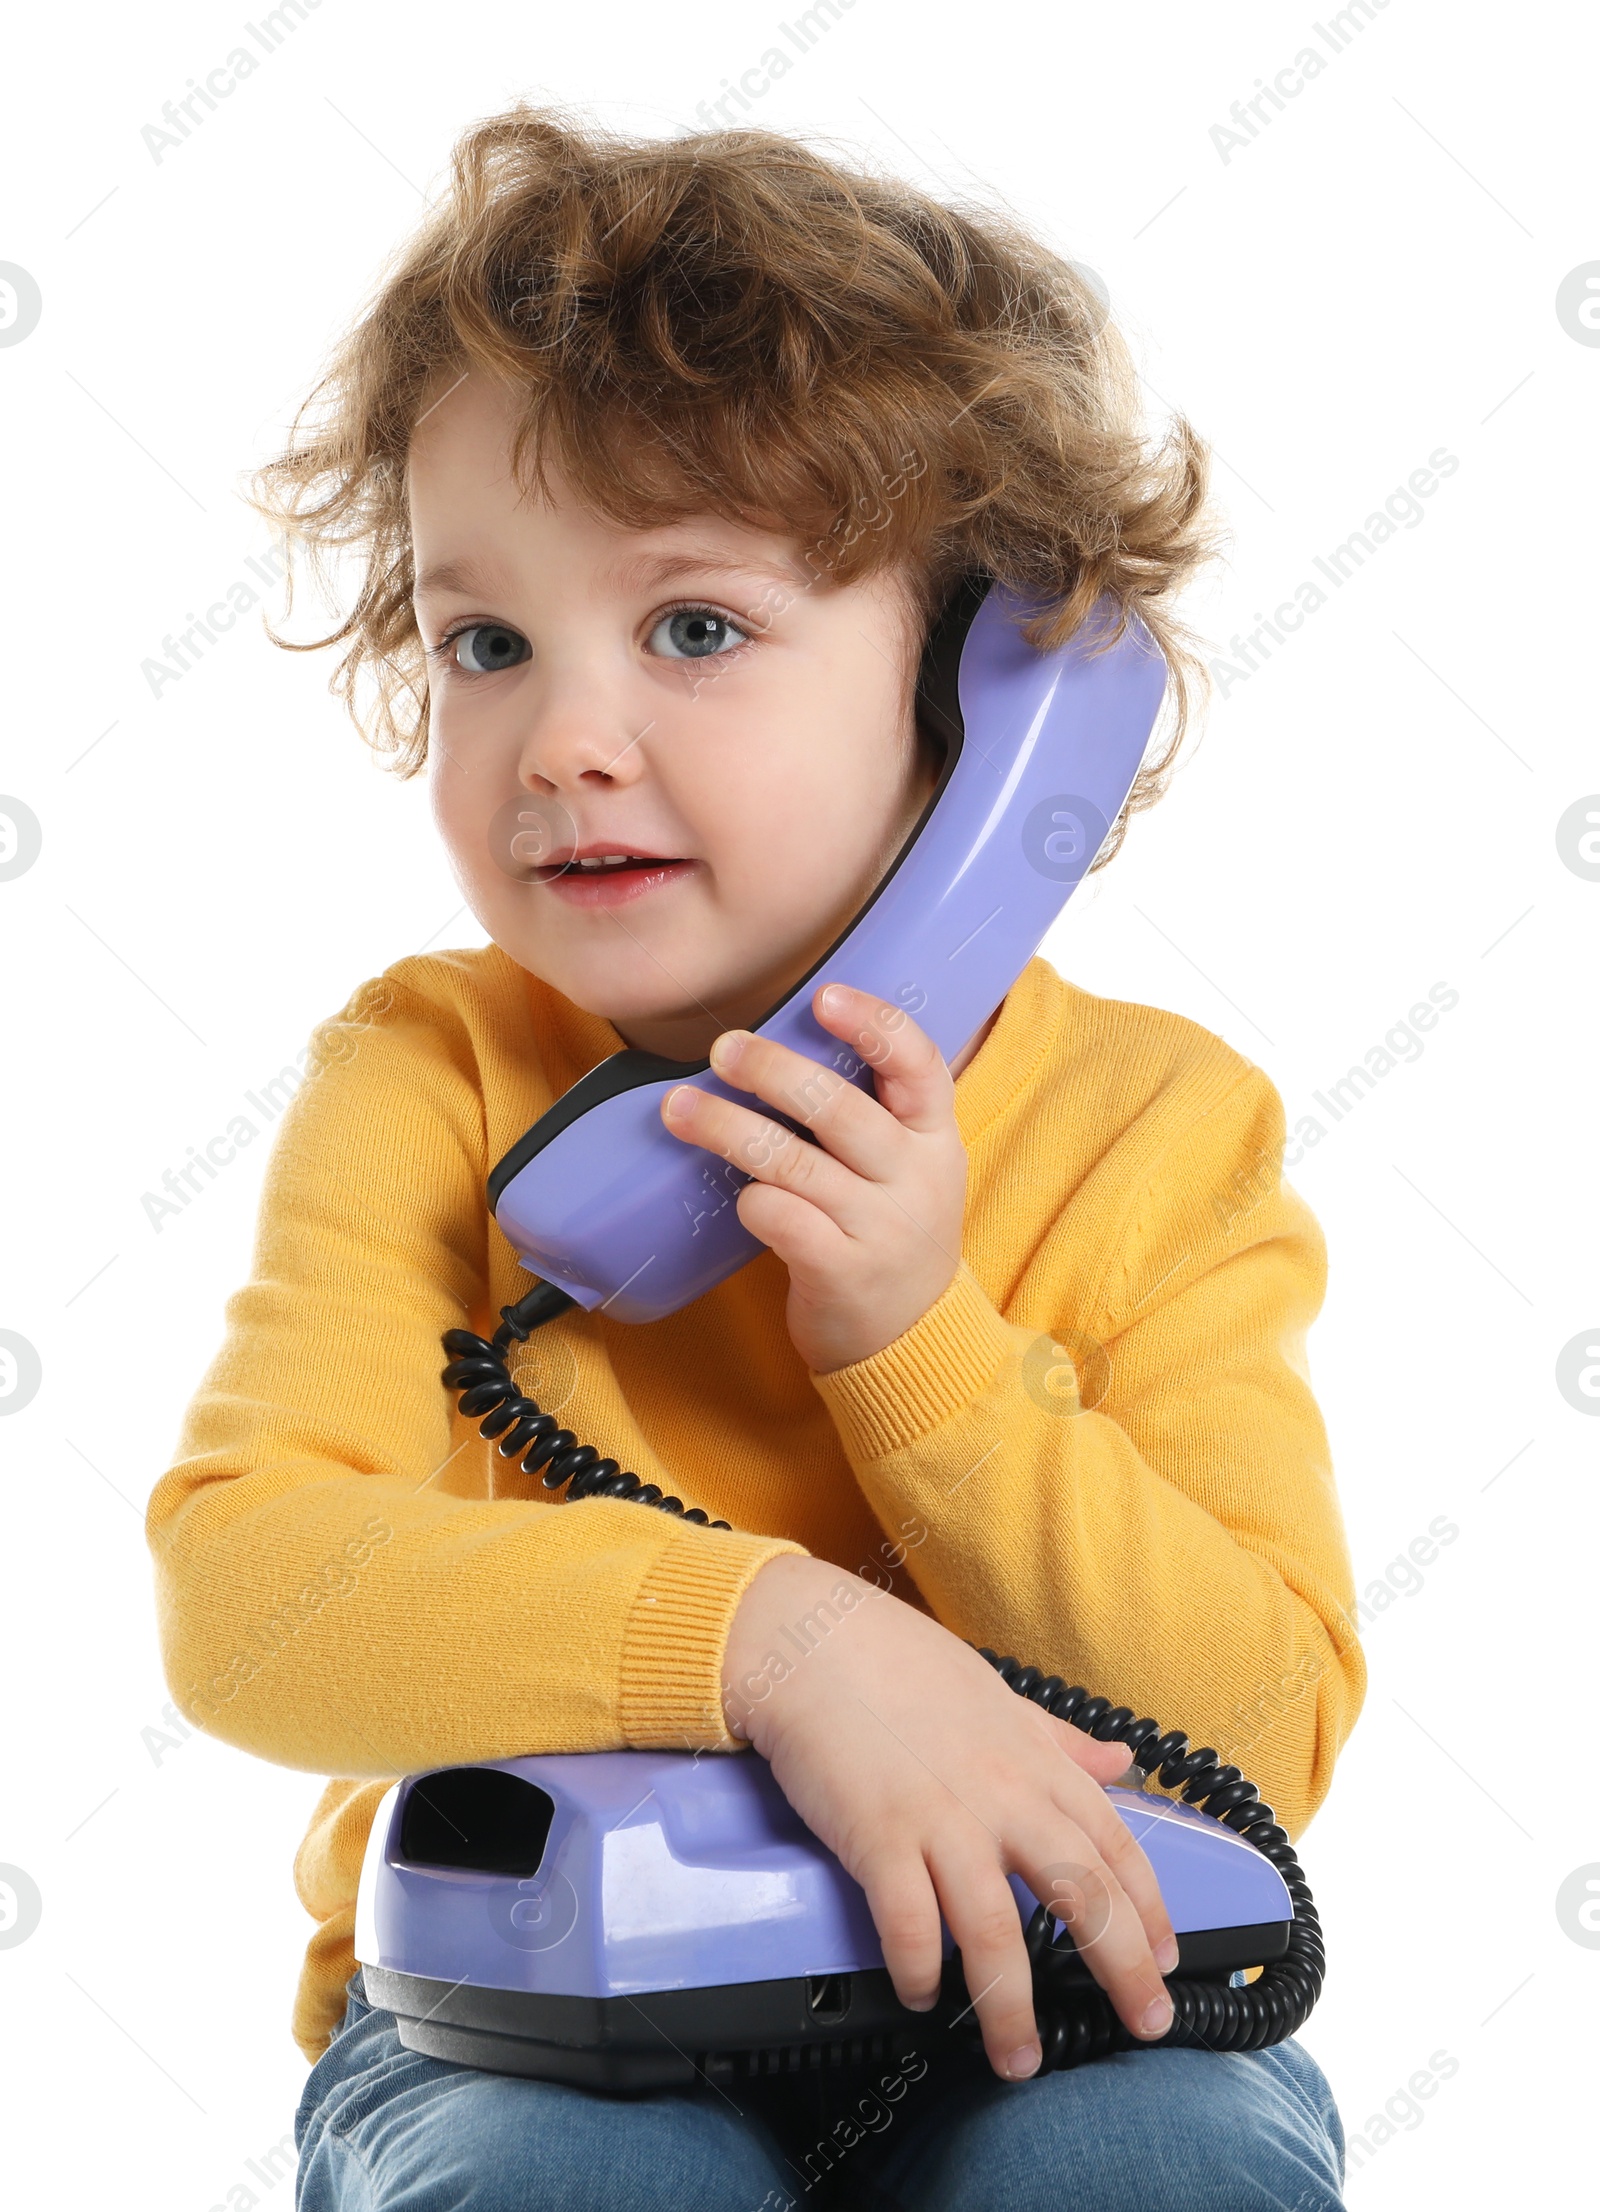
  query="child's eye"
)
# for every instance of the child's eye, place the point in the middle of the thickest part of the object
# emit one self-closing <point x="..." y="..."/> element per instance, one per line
<point x="485" y="646"/>
<point x="696" y="633"/>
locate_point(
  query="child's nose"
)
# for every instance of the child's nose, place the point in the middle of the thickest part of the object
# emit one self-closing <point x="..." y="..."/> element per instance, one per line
<point x="580" y="743"/>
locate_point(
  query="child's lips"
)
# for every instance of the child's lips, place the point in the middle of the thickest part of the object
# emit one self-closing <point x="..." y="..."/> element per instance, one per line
<point x="613" y="886"/>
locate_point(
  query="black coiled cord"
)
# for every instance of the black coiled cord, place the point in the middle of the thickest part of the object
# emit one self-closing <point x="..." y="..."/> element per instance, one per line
<point x="1076" y="2019"/>
<point x="488" y="1396"/>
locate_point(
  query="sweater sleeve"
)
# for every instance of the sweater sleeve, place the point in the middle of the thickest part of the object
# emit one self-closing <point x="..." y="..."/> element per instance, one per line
<point x="336" y="1589"/>
<point x="1139" y="1496"/>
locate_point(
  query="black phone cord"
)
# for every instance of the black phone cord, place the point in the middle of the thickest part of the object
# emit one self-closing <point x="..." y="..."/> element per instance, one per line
<point x="1075" y="2018"/>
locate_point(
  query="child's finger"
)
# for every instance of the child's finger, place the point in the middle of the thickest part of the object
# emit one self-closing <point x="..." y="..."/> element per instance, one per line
<point x="905" y="1913"/>
<point x="765" y="1150"/>
<point x="1104" y="1763"/>
<point x="1082" y="1888"/>
<point x="978" y="1904"/>
<point x="1114" y="1840"/>
<point x="849" y="1123"/>
<point x="913" y="1080"/>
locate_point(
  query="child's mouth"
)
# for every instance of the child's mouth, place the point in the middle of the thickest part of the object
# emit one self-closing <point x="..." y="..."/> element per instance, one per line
<point x="601" y="877"/>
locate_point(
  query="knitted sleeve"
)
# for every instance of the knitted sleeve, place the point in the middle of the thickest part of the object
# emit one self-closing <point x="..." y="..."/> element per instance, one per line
<point x="336" y="1588"/>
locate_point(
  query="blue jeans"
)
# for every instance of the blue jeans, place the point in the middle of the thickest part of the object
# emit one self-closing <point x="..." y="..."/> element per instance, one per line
<point x="384" y="2129"/>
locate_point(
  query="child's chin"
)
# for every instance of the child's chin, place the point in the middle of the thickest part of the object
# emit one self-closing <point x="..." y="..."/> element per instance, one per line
<point x="684" y="994"/>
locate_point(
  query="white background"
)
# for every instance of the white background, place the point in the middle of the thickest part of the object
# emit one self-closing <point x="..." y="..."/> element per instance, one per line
<point x="1372" y="812"/>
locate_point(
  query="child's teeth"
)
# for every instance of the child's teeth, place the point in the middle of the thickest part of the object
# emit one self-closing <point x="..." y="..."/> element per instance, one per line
<point x="614" y="860"/>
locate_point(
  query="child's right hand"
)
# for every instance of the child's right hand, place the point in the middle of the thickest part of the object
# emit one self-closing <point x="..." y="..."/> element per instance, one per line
<point x="930" y="1781"/>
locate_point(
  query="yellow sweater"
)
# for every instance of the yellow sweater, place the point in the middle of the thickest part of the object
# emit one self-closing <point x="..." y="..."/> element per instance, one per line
<point x="1099" y="1450"/>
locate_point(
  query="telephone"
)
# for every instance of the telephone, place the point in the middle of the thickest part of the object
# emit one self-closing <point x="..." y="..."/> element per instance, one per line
<point x="628" y="1920"/>
<point x="1041" y="751"/>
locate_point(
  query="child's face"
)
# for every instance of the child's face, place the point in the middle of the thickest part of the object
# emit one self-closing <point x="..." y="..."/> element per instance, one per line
<point x="685" y="693"/>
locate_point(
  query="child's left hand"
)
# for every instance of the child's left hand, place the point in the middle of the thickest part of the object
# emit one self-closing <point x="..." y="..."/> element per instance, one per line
<point x="868" y="1219"/>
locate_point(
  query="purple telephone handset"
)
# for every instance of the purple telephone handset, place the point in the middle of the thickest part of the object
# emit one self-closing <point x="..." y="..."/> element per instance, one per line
<point x="1042" y="751"/>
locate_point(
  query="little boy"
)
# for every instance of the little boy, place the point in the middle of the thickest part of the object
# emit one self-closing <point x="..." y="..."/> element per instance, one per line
<point x="660" y="459"/>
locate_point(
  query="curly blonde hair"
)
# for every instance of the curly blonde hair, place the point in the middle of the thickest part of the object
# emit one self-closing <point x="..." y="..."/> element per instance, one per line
<point x="729" y="321"/>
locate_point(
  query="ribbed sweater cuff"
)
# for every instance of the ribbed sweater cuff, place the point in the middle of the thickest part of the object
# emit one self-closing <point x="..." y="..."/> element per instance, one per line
<point x="677" y="1632"/>
<point x="904" y="1392"/>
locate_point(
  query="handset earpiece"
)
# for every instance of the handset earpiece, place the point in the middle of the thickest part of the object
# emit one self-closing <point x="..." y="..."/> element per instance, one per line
<point x="1041" y="753"/>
